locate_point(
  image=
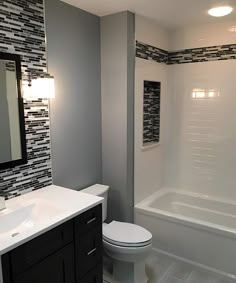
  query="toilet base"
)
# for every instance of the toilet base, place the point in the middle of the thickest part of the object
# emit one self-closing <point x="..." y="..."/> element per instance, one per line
<point x="127" y="272"/>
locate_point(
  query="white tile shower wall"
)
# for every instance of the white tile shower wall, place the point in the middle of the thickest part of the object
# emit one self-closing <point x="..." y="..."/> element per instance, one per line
<point x="198" y="152"/>
<point x="203" y="35"/>
<point x="23" y="32"/>
<point x="200" y="148"/>
<point x="149" y="163"/>
<point x="203" y="134"/>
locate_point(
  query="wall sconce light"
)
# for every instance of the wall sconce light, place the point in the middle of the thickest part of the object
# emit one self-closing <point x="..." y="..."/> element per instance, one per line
<point x="42" y="87"/>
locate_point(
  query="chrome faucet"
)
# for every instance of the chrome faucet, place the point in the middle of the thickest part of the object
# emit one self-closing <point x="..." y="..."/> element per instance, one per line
<point x="3" y="196"/>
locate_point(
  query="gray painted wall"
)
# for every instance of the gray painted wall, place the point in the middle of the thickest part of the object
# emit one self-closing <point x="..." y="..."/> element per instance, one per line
<point x="117" y="49"/>
<point x="5" y="140"/>
<point x="73" y="42"/>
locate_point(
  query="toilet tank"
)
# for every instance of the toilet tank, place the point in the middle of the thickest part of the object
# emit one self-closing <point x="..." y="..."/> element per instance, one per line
<point x="101" y="191"/>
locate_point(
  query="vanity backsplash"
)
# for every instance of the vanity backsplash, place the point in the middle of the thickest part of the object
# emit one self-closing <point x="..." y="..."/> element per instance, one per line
<point x="22" y="31"/>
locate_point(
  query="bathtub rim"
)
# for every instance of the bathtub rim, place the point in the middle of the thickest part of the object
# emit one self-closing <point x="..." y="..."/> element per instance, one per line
<point x="145" y="208"/>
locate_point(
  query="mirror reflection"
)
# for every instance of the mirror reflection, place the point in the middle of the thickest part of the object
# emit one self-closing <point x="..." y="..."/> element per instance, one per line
<point x="10" y="122"/>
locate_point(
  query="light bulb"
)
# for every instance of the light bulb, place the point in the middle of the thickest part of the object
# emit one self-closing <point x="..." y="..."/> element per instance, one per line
<point x="220" y="11"/>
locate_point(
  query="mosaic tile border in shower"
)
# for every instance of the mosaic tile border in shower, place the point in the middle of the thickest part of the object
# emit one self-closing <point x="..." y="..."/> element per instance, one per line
<point x="148" y="52"/>
<point x="204" y="54"/>
<point x="22" y="32"/>
<point x="194" y="55"/>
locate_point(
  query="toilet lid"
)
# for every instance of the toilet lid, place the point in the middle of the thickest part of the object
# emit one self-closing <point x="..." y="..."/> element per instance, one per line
<point x="126" y="234"/>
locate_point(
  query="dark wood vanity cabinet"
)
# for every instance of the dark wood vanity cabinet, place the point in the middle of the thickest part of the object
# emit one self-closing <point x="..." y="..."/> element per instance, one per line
<point x="69" y="253"/>
<point x="58" y="267"/>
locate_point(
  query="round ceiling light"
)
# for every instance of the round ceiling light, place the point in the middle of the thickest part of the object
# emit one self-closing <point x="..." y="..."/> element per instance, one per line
<point x="220" y="11"/>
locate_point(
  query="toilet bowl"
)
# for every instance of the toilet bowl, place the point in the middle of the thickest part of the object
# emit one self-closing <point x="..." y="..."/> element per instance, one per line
<point x="126" y="242"/>
<point x="128" y="245"/>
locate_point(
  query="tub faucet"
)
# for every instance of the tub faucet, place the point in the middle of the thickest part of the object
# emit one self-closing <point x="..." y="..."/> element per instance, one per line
<point x="3" y="196"/>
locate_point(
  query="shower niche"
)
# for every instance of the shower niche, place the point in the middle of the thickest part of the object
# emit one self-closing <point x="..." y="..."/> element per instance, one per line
<point x="151" y="113"/>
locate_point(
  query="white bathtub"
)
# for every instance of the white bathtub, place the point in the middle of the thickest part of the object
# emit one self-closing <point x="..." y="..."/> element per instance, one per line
<point x="194" y="227"/>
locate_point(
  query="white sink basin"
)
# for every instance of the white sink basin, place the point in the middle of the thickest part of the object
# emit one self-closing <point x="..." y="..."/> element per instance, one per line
<point x="11" y="220"/>
<point x="32" y="214"/>
<point x="14" y="221"/>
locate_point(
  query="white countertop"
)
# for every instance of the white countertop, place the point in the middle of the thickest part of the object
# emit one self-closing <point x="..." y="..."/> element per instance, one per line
<point x="37" y="212"/>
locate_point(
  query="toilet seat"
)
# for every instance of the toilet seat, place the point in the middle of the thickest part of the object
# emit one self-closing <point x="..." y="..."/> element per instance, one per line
<point x="127" y="245"/>
<point x="126" y="235"/>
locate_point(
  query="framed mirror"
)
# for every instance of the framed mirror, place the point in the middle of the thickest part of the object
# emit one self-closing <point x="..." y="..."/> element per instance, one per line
<point x="12" y="124"/>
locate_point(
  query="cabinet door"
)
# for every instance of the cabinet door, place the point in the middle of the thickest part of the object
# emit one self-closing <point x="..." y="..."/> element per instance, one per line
<point x="6" y="269"/>
<point x="94" y="276"/>
<point x="88" y="252"/>
<point x="36" y="250"/>
<point x="57" y="268"/>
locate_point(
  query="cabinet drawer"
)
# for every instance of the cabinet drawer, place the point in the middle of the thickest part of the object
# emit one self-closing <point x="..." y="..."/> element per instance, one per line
<point x="88" y="220"/>
<point x="37" y="249"/>
<point x="88" y="251"/>
<point x="94" y="276"/>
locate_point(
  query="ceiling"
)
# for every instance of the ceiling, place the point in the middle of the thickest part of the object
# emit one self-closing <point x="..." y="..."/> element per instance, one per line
<point x="170" y="14"/>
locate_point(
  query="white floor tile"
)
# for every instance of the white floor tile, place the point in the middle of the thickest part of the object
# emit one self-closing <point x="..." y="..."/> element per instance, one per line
<point x="177" y="271"/>
<point x="166" y="269"/>
<point x="158" y="266"/>
<point x="181" y="271"/>
<point x="170" y="279"/>
<point x="205" y="277"/>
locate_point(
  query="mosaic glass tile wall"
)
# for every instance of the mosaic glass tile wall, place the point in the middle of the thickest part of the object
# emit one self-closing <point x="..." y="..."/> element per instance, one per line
<point x="151" y="112"/>
<point x="22" y="31"/>
<point x="194" y="55"/>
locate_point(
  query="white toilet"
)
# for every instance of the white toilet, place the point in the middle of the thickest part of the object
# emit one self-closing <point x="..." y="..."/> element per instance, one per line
<point x="126" y="244"/>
